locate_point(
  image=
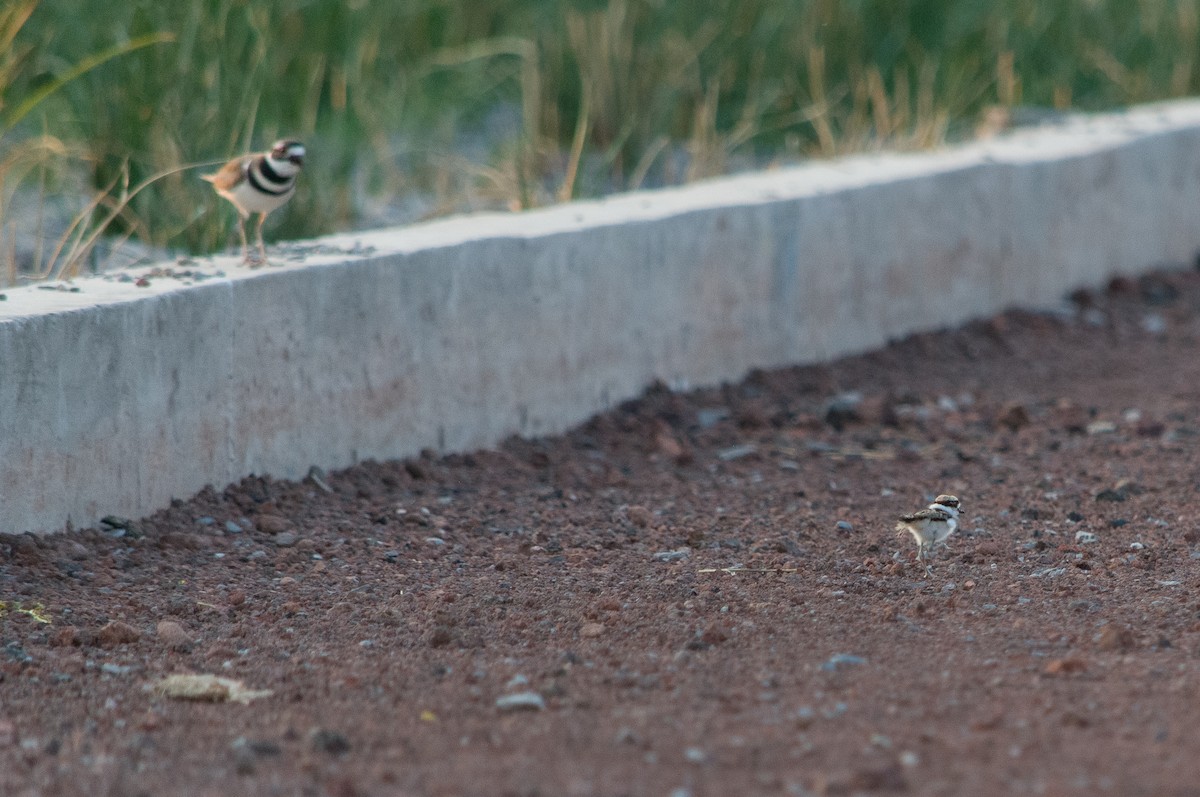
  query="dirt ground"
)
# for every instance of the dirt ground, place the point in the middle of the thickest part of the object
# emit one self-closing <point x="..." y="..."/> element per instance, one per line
<point x="559" y="617"/>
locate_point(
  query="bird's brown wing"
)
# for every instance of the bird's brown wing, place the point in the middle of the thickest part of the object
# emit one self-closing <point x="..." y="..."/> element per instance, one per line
<point x="228" y="176"/>
<point x="925" y="514"/>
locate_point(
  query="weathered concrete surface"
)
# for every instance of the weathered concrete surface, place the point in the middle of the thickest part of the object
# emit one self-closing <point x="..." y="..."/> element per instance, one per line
<point x="457" y="333"/>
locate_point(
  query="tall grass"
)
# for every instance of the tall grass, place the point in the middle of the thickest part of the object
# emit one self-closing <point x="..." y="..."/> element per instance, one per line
<point x="522" y="102"/>
<point x="34" y="163"/>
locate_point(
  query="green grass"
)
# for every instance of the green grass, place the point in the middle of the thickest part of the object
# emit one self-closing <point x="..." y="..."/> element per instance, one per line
<point x="524" y="102"/>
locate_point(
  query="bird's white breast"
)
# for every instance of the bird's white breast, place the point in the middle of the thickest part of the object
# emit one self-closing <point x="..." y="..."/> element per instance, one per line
<point x="251" y="200"/>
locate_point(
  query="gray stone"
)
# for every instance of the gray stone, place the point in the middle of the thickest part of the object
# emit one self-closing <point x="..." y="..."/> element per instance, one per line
<point x="521" y="701"/>
<point x="840" y="661"/>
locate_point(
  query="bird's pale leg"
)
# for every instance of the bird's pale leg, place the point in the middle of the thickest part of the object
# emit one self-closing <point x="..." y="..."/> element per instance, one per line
<point x="262" y="248"/>
<point x="242" y="235"/>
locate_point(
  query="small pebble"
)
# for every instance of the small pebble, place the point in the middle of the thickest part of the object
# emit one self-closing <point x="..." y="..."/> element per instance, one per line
<point x="115" y="669"/>
<point x="844" y="525"/>
<point x="285" y="540"/>
<point x="1101" y="427"/>
<point x="271" y="524"/>
<point x="841" y="660"/>
<point x="65" y="637"/>
<point x="694" y="755"/>
<point x="672" y="556"/>
<point x="710" y="417"/>
<point x="329" y="741"/>
<point x="244" y="760"/>
<point x="1154" y="324"/>
<point x="521" y="701"/>
<point x="260" y="747"/>
<point x="117" y="633"/>
<point x="173" y="635"/>
<point x="839" y="708"/>
<point x="15" y="652"/>
<point x="1014" y="416"/>
<point x="843" y="409"/>
<point x="736" y="452"/>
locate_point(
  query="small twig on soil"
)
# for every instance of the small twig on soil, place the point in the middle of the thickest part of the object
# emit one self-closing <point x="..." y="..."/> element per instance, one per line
<point x="733" y="571"/>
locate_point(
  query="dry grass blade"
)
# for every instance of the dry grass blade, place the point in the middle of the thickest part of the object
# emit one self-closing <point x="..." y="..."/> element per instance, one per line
<point x="78" y="241"/>
<point x="81" y="68"/>
<point x="567" y="190"/>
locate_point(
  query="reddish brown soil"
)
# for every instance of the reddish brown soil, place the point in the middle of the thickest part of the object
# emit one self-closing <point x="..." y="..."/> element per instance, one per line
<point x="389" y="615"/>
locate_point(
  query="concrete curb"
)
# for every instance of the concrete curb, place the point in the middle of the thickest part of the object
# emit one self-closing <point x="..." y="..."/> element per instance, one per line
<point x="455" y="334"/>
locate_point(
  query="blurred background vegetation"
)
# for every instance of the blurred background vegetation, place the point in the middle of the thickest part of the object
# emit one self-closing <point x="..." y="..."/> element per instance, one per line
<point x="418" y="108"/>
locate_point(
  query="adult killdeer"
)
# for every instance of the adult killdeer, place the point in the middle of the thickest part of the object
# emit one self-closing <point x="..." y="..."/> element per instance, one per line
<point x="931" y="526"/>
<point x="259" y="184"/>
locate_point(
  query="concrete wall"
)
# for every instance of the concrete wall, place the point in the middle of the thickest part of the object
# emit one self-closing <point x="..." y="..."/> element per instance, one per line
<point x="455" y="334"/>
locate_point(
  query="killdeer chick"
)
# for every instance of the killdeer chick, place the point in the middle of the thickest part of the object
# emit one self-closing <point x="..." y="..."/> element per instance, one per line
<point x="931" y="526"/>
<point x="259" y="183"/>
